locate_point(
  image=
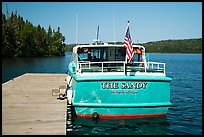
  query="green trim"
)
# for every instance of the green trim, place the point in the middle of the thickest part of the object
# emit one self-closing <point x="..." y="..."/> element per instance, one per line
<point x="122" y="105"/>
<point x="122" y="78"/>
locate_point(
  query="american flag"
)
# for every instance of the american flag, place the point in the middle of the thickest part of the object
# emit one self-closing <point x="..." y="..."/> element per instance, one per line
<point x="128" y="46"/>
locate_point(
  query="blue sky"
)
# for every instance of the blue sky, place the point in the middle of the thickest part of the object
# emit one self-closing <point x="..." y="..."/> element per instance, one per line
<point x="149" y="21"/>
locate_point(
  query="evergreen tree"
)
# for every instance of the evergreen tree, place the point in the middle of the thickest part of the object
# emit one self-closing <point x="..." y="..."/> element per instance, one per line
<point x="21" y="38"/>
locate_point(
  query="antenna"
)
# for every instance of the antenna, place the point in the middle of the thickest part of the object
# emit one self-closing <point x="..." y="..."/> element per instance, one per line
<point x="97" y="35"/>
<point x="76" y="26"/>
<point x="114" y="28"/>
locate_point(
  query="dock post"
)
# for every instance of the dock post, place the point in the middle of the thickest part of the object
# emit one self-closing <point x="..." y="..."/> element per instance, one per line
<point x="70" y="112"/>
<point x="69" y="124"/>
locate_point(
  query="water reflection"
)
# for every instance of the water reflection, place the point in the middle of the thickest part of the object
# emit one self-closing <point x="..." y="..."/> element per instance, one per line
<point x="141" y="126"/>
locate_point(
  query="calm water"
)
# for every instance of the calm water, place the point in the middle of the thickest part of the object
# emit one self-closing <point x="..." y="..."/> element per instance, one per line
<point x="13" y="67"/>
<point x="184" y="116"/>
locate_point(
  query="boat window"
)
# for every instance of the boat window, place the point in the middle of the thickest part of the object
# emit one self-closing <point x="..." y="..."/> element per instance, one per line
<point x="98" y="54"/>
<point x="116" y="53"/>
<point x="94" y="54"/>
<point x="83" y="54"/>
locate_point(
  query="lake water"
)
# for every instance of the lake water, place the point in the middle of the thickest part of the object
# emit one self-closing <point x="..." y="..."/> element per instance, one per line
<point x="184" y="117"/>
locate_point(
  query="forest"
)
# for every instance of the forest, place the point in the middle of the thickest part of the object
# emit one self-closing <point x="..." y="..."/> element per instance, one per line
<point x="175" y="46"/>
<point x="166" y="46"/>
<point x="22" y="39"/>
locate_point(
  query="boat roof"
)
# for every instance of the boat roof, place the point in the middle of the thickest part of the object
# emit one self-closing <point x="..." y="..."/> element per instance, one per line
<point x="103" y="45"/>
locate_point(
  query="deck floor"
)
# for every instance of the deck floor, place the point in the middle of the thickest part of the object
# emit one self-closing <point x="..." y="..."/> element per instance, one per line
<point x="28" y="107"/>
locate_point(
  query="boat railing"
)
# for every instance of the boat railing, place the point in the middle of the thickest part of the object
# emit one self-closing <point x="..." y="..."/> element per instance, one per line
<point x="121" y="67"/>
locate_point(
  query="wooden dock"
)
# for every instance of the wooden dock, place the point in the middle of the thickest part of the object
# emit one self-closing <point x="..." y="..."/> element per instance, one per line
<point x="30" y="108"/>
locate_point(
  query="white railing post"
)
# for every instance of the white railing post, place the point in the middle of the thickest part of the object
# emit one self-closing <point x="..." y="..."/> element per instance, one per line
<point x="80" y="68"/>
<point x="124" y="67"/>
<point x="102" y="66"/>
<point x="145" y="67"/>
<point x="148" y="65"/>
<point x="164" y="69"/>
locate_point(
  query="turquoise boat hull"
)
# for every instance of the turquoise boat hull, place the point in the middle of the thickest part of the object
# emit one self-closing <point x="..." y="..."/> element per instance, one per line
<point x="120" y="96"/>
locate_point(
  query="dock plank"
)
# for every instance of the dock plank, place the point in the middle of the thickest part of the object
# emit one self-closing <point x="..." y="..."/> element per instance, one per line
<point x="28" y="107"/>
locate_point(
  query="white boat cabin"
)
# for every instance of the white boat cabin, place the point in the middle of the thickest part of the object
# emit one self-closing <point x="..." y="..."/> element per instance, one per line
<point x="111" y="59"/>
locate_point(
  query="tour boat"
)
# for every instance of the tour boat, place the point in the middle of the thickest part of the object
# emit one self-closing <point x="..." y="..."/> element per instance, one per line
<point x="103" y="83"/>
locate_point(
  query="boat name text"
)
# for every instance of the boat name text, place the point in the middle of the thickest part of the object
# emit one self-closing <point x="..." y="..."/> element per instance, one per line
<point x="135" y="85"/>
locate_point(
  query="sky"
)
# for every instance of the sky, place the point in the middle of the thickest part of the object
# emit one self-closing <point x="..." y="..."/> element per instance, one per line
<point x="149" y="21"/>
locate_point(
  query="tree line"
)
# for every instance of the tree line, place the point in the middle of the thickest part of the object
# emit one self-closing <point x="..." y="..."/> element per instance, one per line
<point x="175" y="46"/>
<point x="165" y="46"/>
<point x="21" y="38"/>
